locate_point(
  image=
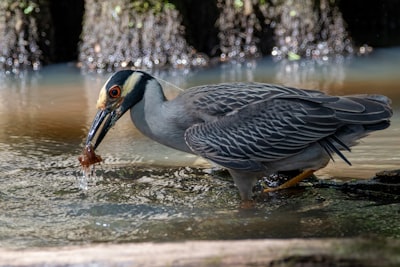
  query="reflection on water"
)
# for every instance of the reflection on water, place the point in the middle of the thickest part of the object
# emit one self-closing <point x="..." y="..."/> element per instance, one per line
<point x="330" y="73"/>
<point x="44" y="118"/>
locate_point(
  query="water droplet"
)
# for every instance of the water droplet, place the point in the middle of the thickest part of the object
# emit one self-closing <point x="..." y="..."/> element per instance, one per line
<point x="83" y="180"/>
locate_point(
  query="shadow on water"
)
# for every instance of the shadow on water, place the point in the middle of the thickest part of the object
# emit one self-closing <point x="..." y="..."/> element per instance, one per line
<point x="44" y="118"/>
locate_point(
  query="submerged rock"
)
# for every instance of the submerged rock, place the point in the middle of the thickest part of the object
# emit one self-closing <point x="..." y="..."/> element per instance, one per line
<point x="388" y="176"/>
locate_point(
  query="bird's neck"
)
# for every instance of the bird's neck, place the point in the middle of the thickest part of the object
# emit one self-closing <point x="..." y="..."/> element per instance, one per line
<point x="153" y="97"/>
<point x="156" y="119"/>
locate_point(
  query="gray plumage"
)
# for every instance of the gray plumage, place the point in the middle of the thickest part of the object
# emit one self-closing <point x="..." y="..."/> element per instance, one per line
<point x="252" y="129"/>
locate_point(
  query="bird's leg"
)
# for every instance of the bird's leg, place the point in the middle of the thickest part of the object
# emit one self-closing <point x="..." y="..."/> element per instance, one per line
<point x="292" y="182"/>
<point x="244" y="181"/>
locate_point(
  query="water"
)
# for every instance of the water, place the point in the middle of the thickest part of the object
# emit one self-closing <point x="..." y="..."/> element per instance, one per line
<point x="44" y="119"/>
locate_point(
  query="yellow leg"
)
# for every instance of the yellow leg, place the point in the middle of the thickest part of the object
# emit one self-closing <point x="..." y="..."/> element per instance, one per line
<point x="292" y="182"/>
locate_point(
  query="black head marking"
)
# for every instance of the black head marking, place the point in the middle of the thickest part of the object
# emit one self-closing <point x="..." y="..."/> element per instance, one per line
<point x="119" y="78"/>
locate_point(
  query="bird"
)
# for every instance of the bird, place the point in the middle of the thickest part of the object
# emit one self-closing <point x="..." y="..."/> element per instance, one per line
<point x="251" y="129"/>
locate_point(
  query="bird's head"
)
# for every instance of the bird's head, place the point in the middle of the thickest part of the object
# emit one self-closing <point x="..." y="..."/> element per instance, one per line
<point x="120" y="92"/>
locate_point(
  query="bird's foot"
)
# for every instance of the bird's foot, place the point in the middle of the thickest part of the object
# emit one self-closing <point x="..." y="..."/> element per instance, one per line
<point x="290" y="183"/>
<point x="271" y="189"/>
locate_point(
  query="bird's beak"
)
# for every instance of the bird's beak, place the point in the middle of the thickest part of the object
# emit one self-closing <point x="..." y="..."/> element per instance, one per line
<point x="107" y="119"/>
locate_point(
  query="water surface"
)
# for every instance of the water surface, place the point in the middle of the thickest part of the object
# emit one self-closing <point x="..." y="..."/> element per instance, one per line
<point x="44" y="119"/>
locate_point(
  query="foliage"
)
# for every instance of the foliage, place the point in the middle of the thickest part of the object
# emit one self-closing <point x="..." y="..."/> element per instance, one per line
<point x="154" y="6"/>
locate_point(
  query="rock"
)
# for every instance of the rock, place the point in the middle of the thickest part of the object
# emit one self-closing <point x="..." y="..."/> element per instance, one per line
<point x="388" y="176"/>
<point x="292" y="252"/>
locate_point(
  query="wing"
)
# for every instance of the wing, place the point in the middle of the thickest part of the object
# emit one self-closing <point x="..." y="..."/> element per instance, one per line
<point x="215" y="100"/>
<point x="266" y="131"/>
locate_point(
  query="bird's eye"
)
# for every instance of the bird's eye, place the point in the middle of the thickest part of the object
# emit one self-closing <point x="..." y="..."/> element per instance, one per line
<point x="114" y="91"/>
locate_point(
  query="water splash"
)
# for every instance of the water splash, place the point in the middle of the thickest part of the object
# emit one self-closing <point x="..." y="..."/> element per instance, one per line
<point x="86" y="178"/>
<point x="83" y="180"/>
<point x="286" y="29"/>
<point x="309" y="29"/>
<point x="237" y="25"/>
<point x="25" y="35"/>
<point x="118" y="34"/>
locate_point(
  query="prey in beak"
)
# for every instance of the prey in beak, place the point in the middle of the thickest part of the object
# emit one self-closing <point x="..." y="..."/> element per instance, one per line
<point x="115" y="98"/>
<point x="103" y="118"/>
<point x="88" y="156"/>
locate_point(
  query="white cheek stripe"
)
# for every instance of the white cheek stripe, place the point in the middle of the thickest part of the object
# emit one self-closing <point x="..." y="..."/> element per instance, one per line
<point x="102" y="100"/>
<point x="130" y="83"/>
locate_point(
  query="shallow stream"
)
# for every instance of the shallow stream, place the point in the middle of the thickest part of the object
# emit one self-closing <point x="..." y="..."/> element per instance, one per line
<point x="44" y="119"/>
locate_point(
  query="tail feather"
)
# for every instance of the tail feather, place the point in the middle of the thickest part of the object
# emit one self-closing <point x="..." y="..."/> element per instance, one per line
<point x="376" y="110"/>
<point x="378" y="98"/>
<point x="333" y="145"/>
<point x="367" y="113"/>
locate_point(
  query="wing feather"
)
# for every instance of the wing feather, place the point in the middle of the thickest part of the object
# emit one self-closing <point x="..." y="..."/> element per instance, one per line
<point x="262" y="132"/>
<point x="243" y="125"/>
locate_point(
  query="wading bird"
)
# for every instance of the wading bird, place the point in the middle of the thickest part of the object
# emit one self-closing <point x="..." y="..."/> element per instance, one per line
<point x="251" y="129"/>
